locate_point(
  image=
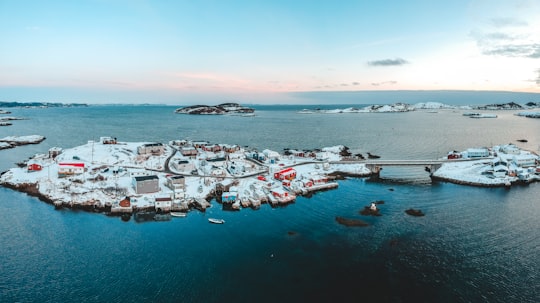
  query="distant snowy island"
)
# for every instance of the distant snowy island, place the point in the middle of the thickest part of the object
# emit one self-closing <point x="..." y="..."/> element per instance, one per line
<point x="221" y="109"/>
<point x="13" y="141"/>
<point x="130" y="177"/>
<point x="404" y="107"/>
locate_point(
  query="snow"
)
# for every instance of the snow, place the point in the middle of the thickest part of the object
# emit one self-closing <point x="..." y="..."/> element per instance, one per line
<point x="12" y="141"/>
<point x="110" y="168"/>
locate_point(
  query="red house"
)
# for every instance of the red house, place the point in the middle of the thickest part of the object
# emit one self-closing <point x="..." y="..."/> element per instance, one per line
<point x="34" y="167"/>
<point x="285" y="174"/>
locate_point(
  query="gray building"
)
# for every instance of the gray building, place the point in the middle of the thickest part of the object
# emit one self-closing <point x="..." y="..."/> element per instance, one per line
<point x="146" y="184"/>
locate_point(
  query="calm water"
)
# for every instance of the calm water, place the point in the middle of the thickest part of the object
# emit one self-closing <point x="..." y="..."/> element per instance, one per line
<point x="473" y="245"/>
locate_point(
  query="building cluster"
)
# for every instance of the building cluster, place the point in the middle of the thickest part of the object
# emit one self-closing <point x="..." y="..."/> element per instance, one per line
<point x="506" y="160"/>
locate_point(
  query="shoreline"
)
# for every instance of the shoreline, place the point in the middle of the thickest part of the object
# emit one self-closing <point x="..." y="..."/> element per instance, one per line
<point x="121" y="178"/>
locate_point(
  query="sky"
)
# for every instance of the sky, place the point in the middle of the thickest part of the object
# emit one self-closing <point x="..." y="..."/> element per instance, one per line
<point x="250" y="51"/>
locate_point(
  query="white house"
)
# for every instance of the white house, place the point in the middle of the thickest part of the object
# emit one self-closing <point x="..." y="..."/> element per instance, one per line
<point x="163" y="204"/>
<point x="477" y="152"/>
<point x="525" y="160"/>
<point x="510" y="149"/>
<point x="151" y="148"/>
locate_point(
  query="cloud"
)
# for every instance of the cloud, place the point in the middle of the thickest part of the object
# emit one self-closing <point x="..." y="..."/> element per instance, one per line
<point x="384" y="83"/>
<point x="388" y="62"/>
<point x="508" y="22"/>
<point x="538" y="78"/>
<point x="508" y="37"/>
<point x="513" y="50"/>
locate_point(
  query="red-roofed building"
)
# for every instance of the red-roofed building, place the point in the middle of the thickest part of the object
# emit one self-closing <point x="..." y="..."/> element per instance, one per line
<point x="69" y="169"/>
<point x="285" y="174"/>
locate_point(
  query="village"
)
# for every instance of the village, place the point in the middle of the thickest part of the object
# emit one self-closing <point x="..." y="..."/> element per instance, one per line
<point x="124" y="178"/>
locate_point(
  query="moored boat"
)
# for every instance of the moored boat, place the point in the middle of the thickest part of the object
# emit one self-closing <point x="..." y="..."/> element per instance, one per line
<point x="216" y="221"/>
<point x="178" y="214"/>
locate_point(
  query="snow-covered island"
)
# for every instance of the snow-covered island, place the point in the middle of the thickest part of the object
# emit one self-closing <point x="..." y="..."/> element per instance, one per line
<point x="13" y="141"/>
<point x="126" y="177"/>
<point x="500" y="165"/>
<point x="137" y="177"/>
<point x="430" y="106"/>
<point x="529" y="114"/>
<point x="221" y="109"/>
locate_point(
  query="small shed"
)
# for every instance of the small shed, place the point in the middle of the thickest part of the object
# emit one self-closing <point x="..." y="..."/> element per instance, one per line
<point x="146" y="184"/>
<point x="108" y="140"/>
<point x="163" y="204"/>
<point x="54" y="151"/>
<point x="33" y="166"/>
<point x="228" y="197"/>
<point x="176" y="182"/>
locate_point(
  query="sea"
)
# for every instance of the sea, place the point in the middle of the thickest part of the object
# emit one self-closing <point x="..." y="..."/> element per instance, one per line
<point x="473" y="244"/>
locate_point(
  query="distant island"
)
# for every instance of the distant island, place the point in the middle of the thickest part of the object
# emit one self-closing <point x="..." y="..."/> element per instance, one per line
<point x="221" y="109"/>
<point x="40" y="104"/>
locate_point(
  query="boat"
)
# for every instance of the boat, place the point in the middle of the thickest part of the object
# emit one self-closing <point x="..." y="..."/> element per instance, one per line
<point x="216" y="221"/>
<point x="480" y="116"/>
<point x="178" y="214"/>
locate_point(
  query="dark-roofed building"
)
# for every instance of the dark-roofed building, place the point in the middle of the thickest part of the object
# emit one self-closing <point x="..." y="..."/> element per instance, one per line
<point x="146" y="184"/>
<point x="151" y="148"/>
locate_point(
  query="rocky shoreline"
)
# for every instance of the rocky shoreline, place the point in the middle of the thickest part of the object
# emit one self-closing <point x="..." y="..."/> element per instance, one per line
<point x="14" y="141"/>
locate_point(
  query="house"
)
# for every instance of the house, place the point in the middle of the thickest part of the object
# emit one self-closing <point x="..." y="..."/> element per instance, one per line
<point x="146" y="184"/>
<point x="500" y="171"/>
<point x="257" y="156"/>
<point x="271" y="155"/>
<point x="454" y="155"/>
<point x="163" y="204"/>
<point x="69" y="169"/>
<point x="33" y="166"/>
<point x="107" y="140"/>
<point x="188" y="151"/>
<point x="230" y="148"/>
<point x="199" y="144"/>
<point x="54" y="151"/>
<point x="211" y="148"/>
<point x="282" y="195"/>
<point x="285" y="174"/>
<point x="183" y="166"/>
<point x="179" y="142"/>
<point x="151" y="148"/>
<point x="477" y="152"/>
<point x="525" y="160"/>
<point x="237" y="168"/>
<point x="176" y="182"/>
<point x="319" y="179"/>
<point x="229" y="196"/>
<point x="510" y="149"/>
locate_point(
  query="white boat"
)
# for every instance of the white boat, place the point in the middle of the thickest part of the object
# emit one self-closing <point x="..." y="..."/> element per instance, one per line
<point x="216" y="221"/>
<point x="178" y="214"/>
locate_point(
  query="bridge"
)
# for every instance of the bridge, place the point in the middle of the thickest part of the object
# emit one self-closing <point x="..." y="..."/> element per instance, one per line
<point x="375" y="165"/>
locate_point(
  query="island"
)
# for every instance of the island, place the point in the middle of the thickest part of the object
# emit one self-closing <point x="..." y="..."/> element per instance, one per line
<point x="124" y="178"/>
<point x="13" y="141"/>
<point x="40" y="104"/>
<point x="221" y="109"/>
